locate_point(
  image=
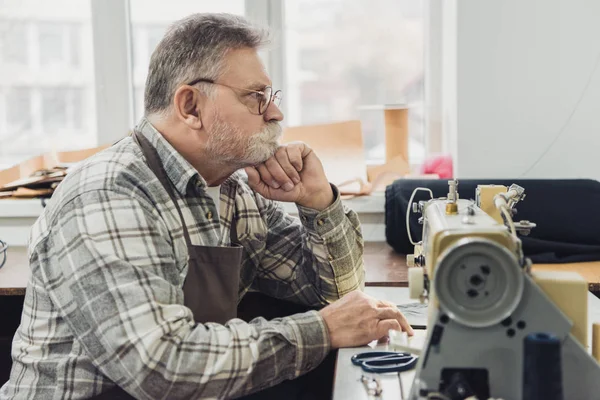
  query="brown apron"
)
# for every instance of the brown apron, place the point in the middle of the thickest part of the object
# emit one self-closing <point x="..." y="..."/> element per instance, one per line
<point x="211" y="285"/>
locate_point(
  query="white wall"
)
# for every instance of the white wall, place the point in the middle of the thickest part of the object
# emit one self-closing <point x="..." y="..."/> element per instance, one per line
<point x="449" y="82"/>
<point x="527" y="88"/>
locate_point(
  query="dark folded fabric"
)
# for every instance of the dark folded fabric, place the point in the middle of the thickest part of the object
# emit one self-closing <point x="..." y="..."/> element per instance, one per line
<point x="566" y="212"/>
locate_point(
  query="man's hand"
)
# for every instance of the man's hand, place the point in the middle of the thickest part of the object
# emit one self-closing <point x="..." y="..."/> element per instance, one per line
<point x="357" y="319"/>
<point x="294" y="174"/>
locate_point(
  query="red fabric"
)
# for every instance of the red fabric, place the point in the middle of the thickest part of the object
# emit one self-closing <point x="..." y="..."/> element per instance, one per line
<point x="440" y="165"/>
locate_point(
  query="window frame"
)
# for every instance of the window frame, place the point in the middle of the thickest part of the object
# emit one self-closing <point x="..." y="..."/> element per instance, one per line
<point x="114" y="84"/>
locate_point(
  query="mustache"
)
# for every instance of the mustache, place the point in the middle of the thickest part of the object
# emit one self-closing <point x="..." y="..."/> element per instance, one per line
<point x="264" y="144"/>
<point x="272" y="129"/>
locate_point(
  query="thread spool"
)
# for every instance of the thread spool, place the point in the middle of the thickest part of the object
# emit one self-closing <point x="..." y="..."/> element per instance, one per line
<point x="542" y="367"/>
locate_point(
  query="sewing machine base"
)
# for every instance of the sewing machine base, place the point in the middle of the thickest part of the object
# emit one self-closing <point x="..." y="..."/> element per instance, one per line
<point x="496" y="352"/>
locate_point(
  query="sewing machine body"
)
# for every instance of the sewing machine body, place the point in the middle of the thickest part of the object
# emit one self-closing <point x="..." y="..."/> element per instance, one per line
<point x="483" y="302"/>
<point x="441" y="231"/>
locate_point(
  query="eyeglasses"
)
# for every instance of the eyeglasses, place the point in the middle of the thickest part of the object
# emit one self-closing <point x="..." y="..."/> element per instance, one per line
<point x="257" y="101"/>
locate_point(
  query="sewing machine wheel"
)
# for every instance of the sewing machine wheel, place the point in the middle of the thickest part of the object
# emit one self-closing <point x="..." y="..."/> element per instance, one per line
<point x="478" y="282"/>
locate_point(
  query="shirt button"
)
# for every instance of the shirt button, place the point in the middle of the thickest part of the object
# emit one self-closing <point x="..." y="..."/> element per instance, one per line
<point x="209" y="215"/>
<point x="330" y="257"/>
<point x="321" y="222"/>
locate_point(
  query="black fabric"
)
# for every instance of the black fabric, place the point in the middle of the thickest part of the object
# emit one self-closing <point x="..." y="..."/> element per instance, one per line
<point x="12" y="308"/>
<point x="314" y="385"/>
<point x="566" y="213"/>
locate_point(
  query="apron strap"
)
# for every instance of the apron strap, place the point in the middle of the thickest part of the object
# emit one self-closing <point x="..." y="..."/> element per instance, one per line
<point x="156" y="166"/>
<point x="233" y="238"/>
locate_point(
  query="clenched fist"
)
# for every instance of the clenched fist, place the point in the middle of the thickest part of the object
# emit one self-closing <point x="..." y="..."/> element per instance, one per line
<point x="357" y="319"/>
<point x="294" y="174"/>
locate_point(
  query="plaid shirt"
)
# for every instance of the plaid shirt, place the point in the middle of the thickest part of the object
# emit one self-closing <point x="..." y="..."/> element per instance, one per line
<point x="104" y="303"/>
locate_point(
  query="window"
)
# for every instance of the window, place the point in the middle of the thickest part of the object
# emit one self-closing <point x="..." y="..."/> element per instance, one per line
<point x="62" y="109"/>
<point x="51" y="43"/>
<point x="338" y="60"/>
<point x="59" y="43"/>
<point x="13" y="42"/>
<point x="150" y="20"/>
<point x="46" y="78"/>
<point x="338" y="55"/>
<point x="74" y="44"/>
<point x="18" y="109"/>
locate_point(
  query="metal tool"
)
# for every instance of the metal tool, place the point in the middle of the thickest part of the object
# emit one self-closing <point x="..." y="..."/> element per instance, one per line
<point x="384" y="361"/>
<point x="372" y="386"/>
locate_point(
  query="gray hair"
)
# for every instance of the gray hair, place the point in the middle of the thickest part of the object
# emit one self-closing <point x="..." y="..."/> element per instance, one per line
<point x="193" y="48"/>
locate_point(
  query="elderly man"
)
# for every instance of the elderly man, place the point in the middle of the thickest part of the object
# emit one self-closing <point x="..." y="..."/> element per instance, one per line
<point x="139" y="260"/>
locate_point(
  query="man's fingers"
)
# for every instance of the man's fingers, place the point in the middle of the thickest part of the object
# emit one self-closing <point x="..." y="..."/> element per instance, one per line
<point x="384" y="326"/>
<point x="394" y="313"/>
<point x="385" y="303"/>
<point x="278" y="174"/>
<point x="295" y="157"/>
<point x="383" y="339"/>
<point x="302" y="148"/>
<point x="282" y="157"/>
<point x="253" y="176"/>
<point x="255" y="182"/>
<point x="266" y="176"/>
<point x="388" y="312"/>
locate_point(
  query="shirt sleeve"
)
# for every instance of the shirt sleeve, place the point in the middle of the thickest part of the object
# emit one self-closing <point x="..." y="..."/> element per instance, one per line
<point x="112" y="273"/>
<point x="314" y="259"/>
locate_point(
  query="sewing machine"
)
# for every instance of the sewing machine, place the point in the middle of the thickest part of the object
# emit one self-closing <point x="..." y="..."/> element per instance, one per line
<point x="484" y="301"/>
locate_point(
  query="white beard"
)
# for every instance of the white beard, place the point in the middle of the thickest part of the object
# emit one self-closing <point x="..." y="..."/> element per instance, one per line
<point x="228" y="144"/>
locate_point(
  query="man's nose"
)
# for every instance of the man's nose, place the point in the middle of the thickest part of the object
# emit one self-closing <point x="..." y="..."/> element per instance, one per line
<point x="273" y="113"/>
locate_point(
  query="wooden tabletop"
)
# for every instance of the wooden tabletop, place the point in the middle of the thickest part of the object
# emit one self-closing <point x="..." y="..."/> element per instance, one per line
<point x="383" y="267"/>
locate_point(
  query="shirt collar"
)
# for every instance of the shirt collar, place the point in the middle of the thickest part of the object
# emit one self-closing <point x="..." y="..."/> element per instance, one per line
<point x="179" y="171"/>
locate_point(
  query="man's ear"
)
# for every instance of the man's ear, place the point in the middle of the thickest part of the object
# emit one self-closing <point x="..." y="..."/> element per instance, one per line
<point x="187" y="103"/>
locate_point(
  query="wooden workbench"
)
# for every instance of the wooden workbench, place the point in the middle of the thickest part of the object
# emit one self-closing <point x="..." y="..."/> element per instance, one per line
<point x="383" y="267"/>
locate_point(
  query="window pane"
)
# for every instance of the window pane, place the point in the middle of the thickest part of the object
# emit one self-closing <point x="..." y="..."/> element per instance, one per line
<point x="54" y="109"/>
<point x="150" y="20"/>
<point x="13" y="41"/>
<point x="18" y="109"/>
<point x="51" y="37"/>
<point x="49" y="104"/>
<point x="77" y="108"/>
<point x="338" y="61"/>
<point x="75" y="44"/>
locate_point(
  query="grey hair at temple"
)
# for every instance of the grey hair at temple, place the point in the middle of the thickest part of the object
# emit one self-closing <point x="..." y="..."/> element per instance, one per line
<point x="194" y="47"/>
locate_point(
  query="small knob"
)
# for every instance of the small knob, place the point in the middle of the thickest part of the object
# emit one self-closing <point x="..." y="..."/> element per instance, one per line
<point x="451" y="208"/>
<point x="419" y="261"/>
<point x="415" y="207"/>
<point x="410" y="260"/>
